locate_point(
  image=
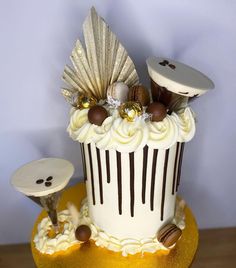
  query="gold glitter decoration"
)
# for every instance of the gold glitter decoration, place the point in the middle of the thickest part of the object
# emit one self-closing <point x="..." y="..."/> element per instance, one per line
<point x="102" y="62"/>
<point x="85" y="102"/>
<point x="53" y="234"/>
<point x="130" y="109"/>
<point x="88" y="255"/>
<point x="70" y="96"/>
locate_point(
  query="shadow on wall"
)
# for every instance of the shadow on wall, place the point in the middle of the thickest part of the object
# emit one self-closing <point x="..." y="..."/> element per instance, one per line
<point x="57" y="143"/>
<point x="199" y="182"/>
<point x="36" y="144"/>
<point x="130" y="39"/>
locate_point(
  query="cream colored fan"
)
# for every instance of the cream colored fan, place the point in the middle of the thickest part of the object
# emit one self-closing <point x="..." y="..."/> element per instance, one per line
<point x="103" y="61"/>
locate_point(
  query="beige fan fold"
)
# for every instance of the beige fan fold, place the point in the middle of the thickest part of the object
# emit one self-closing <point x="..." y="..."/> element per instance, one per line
<point x="103" y="61"/>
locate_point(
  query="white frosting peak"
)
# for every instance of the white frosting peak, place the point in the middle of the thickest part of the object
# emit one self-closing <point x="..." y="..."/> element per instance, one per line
<point x="128" y="136"/>
<point x="62" y="241"/>
<point x="186" y="123"/>
<point x="164" y="134"/>
<point x="124" y="136"/>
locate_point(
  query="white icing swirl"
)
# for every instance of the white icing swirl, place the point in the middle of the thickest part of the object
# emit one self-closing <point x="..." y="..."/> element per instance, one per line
<point x="128" y="136"/>
<point x="82" y="130"/>
<point x="186" y="123"/>
<point x="163" y="134"/>
<point x="78" y="119"/>
<point x="124" y="136"/>
<point x="62" y="241"/>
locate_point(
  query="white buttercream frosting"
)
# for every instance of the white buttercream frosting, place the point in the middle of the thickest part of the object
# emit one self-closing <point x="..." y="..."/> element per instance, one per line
<point x="119" y="134"/>
<point x="62" y="241"/>
<point x="128" y="136"/>
<point x="127" y="246"/>
<point x="186" y="123"/>
<point x="163" y="134"/>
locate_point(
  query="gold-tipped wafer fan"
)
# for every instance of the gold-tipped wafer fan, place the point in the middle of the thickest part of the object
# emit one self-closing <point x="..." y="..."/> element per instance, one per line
<point x="102" y="62"/>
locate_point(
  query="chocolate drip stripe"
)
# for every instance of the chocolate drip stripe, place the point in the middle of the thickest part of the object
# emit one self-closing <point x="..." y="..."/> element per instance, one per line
<point x="83" y="161"/>
<point x="154" y="162"/>
<point x="131" y="164"/>
<point x="108" y="167"/>
<point x="164" y="184"/>
<point x="180" y="165"/>
<point x="91" y="172"/>
<point x="144" y="178"/>
<point x="99" y="175"/>
<point x="119" y="181"/>
<point x="175" y="168"/>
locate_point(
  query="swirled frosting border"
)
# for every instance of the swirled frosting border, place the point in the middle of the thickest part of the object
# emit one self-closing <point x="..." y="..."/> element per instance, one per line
<point x="66" y="239"/>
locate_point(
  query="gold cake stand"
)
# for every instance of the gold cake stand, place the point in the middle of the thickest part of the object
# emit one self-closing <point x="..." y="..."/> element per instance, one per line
<point x="90" y="256"/>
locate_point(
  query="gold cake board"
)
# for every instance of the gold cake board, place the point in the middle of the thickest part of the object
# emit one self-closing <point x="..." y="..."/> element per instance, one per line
<point x="91" y="256"/>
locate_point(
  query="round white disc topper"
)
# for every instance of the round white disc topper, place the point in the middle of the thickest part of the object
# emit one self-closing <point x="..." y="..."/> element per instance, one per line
<point x="177" y="77"/>
<point x="42" y="177"/>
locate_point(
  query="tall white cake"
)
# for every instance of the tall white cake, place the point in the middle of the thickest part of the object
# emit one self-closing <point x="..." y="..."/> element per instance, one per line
<point x="132" y="189"/>
<point x="132" y="144"/>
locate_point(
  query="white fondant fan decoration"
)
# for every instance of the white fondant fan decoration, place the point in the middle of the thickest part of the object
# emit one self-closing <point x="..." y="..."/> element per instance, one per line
<point x="103" y="61"/>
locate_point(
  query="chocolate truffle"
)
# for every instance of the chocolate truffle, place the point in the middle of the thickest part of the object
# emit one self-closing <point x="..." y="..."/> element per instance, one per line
<point x="83" y="233"/>
<point x="157" y="110"/>
<point x="140" y="94"/>
<point x="169" y="235"/>
<point x="97" y="114"/>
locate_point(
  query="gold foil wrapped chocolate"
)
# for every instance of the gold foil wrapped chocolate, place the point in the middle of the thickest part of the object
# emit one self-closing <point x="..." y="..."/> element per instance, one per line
<point x="86" y="102"/>
<point x="70" y="96"/>
<point x="130" y="110"/>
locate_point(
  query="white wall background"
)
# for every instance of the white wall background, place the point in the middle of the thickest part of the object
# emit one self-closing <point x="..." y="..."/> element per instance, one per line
<point x="36" y="38"/>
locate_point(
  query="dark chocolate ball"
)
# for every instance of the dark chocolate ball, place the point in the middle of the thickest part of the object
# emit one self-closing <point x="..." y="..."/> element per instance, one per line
<point x="157" y="110"/>
<point x="83" y="233"/>
<point x="97" y="114"/>
<point x="139" y="94"/>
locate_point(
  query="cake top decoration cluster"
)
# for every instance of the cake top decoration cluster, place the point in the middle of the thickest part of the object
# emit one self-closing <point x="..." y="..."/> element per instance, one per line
<point x="109" y="105"/>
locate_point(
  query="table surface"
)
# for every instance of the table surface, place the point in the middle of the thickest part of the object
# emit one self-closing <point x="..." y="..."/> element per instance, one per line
<point x="217" y="248"/>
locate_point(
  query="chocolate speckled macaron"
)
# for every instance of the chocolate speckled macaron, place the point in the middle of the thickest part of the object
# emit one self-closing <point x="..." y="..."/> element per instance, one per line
<point x="139" y="94"/>
<point x="169" y="235"/>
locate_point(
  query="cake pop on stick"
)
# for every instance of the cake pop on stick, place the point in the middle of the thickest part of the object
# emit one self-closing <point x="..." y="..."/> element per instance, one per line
<point x="43" y="180"/>
<point x="174" y="83"/>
